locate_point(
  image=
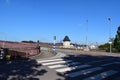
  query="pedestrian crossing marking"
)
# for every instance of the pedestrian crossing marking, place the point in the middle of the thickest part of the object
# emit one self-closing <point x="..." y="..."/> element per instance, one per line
<point x="107" y="64"/>
<point x="117" y="62"/>
<point x="98" y="61"/>
<point x="110" y="64"/>
<point x="64" y="65"/>
<point x="58" y="62"/>
<point x="49" y="60"/>
<point x="102" y="75"/>
<point x="84" y="72"/>
<point x="72" y="68"/>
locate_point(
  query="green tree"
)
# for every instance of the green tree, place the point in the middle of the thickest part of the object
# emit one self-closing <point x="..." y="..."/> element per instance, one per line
<point x="104" y="46"/>
<point x="117" y="40"/>
<point x="30" y="41"/>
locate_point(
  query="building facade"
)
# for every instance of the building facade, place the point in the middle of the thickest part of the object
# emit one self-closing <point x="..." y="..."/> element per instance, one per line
<point x="66" y="42"/>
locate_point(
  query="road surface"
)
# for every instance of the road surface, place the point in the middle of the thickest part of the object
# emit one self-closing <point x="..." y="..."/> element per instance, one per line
<point x="69" y="66"/>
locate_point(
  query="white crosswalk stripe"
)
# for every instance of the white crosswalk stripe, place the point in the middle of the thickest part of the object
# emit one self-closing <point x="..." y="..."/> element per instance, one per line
<point x="41" y="61"/>
<point x="74" y="69"/>
<point x="58" y="62"/>
<point x="84" y="72"/>
<point x="117" y="63"/>
<point x="107" y="64"/>
<point x="64" y="65"/>
<point x="110" y="64"/>
<point x="102" y="75"/>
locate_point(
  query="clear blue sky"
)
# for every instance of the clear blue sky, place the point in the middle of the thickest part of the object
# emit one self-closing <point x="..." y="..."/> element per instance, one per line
<point x="42" y="19"/>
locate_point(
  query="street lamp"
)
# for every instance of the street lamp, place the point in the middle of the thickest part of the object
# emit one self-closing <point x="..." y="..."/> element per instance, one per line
<point x="86" y="49"/>
<point x="110" y="42"/>
<point x="87" y="33"/>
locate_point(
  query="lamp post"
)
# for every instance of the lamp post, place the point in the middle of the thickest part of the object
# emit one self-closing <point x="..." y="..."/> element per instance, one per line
<point x="87" y="33"/>
<point x="110" y="42"/>
<point x="86" y="48"/>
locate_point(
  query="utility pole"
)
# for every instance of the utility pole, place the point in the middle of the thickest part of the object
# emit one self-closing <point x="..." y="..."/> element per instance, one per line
<point x="110" y="42"/>
<point x="86" y="48"/>
<point x="87" y="33"/>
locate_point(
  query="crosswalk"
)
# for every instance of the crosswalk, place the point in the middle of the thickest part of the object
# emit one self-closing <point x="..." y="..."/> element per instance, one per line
<point x="101" y="75"/>
<point x="74" y="69"/>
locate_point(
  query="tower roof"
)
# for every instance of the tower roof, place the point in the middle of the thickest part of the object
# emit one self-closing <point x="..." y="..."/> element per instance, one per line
<point x="66" y="38"/>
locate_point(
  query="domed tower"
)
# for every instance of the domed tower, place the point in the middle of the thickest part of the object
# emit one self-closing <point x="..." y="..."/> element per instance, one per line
<point x="66" y="42"/>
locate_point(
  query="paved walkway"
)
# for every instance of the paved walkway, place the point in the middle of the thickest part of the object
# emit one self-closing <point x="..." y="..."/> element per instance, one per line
<point x="47" y="54"/>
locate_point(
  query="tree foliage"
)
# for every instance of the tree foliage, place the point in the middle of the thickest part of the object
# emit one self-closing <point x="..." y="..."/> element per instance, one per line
<point x="30" y="41"/>
<point x="117" y="40"/>
<point x="104" y="46"/>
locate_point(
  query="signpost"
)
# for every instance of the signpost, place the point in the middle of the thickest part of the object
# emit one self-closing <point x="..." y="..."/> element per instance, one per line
<point x="54" y="44"/>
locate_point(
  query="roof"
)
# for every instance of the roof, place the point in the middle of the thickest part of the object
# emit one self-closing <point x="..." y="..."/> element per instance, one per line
<point x="66" y="38"/>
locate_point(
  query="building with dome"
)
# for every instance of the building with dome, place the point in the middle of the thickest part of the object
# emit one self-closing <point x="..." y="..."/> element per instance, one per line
<point x="66" y="42"/>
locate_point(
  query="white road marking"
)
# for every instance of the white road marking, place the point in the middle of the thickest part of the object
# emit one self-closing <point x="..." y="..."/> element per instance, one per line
<point x="58" y="62"/>
<point x="69" y="65"/>
<point x="98" y="61"/>
<point x="107" y="64"/>
<point x="102" y="75"/>
<point x="72" y="68"/>
<point x="84" y="72"/>
<point x="64" y="65"/>
<point x="117" y="62"/>
<point x="49" y="60"/>
<point x="110" y="64"/>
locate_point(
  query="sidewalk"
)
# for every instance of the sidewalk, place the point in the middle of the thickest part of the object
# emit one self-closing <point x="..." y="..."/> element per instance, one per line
<point x="48" y="54"/>
<point x="43" y="54"/>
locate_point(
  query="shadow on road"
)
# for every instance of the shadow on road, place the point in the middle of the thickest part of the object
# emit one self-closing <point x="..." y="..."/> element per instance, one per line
<point x="95" y="61"/>
<point x="22" y="69"/>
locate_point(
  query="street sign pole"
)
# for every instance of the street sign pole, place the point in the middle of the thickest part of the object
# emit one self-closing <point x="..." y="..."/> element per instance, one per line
<point x="54" y="44"/>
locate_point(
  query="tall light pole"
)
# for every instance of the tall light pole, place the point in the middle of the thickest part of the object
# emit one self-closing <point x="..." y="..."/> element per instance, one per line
<point x="87" y="33"/>
<point x="110" y="42"/>
<point x="86" y="48"/>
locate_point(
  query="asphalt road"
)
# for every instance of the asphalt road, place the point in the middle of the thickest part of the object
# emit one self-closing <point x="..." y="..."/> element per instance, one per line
<point x="72" y="66"/>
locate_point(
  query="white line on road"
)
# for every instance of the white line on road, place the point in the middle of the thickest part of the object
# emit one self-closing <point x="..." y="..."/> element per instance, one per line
<point x="117" y="62"/>
<point x="49" y="60"/>
<point x="107" y="64"/>
<point x="72" y="68"/>
<point x="84" y="72"/>
<point x="98" y="61"/>
<point x="110" y="64"/>
<point x="64" y="65"/>
<point x="58" y="62"/>
<point x="102" y="75"/>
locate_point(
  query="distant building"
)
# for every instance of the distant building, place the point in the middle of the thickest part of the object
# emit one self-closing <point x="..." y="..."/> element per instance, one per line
<point x="92" y="46"/>
<point x="66" y="42"/>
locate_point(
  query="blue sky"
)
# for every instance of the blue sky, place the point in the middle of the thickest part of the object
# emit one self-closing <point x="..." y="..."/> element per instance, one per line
<point x="43" y="19"/>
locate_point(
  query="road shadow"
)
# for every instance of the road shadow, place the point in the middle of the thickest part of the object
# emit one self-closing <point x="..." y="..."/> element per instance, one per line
<point x="21" y="69"/>
<point x="95" y="61"/>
